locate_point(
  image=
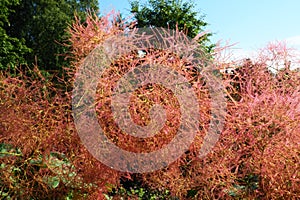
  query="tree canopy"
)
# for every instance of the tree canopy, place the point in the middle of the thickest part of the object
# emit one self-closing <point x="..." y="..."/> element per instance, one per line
<point x="12" y="49"/>
<point x="42" y="24"/>
<point x="171" y="14"/>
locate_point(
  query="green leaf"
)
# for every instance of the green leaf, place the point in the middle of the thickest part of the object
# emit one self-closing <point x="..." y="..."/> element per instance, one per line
<point x="52" y="181"/>
<point x="107" y="197"/>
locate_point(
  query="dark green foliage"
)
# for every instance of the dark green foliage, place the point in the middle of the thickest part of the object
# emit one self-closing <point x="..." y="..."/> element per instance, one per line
<point x="171" y="14"/>
<point x="42" y="23"/>
<point x="12" y="49"/>
<point x="138" y="192"/>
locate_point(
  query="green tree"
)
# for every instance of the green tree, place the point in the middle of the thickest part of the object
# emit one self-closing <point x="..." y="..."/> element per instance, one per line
<point x="42" y="23"/>
<point x="12" y="49"/>
<point x="171" y="14"/>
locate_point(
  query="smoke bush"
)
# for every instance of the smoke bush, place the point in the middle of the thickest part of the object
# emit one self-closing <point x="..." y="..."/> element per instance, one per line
<point x="257" y="155"/>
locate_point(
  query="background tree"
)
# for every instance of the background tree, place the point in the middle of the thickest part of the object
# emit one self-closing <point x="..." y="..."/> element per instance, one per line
<point x="171" y="14"/>
<point x="42" y="24"/>
<point x="12" y="49"/>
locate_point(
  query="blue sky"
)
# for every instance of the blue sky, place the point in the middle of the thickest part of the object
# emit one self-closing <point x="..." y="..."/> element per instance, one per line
<point x="249" y="23"/>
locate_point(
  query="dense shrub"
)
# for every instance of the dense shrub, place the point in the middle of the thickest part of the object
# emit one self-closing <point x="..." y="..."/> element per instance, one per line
<point x="257" y="155"/>
<point x="41" y="155"/>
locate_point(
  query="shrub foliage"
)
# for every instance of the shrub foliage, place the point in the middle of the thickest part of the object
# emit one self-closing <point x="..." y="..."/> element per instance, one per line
<point x="257" y="155"/>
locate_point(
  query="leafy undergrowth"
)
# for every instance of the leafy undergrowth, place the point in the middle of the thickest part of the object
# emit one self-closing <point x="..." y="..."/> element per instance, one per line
<point x="256" y="157"/>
